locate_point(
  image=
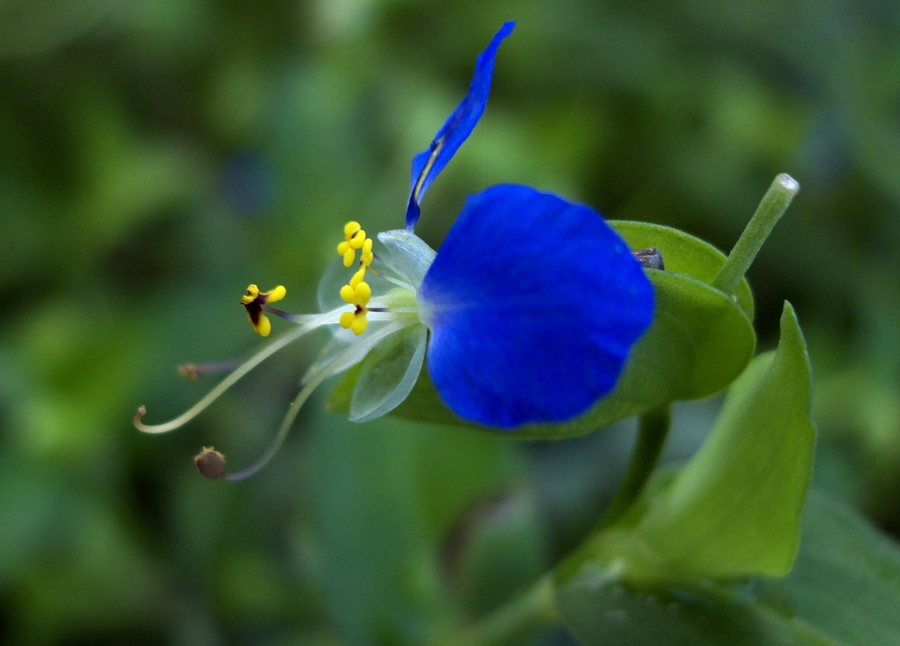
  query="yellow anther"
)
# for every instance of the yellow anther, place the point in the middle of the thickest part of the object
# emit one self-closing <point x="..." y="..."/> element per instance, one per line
<point x="354" y="238"/>
<point x="350" y="228"/>
<point x="358" y="239"/>
<point x="356" y="295"/>
<point x="358" y="277"/>
<point x="355" y="321"/>
<point x="367" y="256"/>
<point x="363" y="294"/>
<point x="263" y="326"/>
<point x="357" y="291"/>
<point x="250" y="296"/>
<point x="360" y="323"/>
<point x="254" y="300"/>
<point x="275" y="294"/>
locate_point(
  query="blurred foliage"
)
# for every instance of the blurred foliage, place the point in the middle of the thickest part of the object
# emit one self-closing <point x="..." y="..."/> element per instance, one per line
<point x="159" y="156"/>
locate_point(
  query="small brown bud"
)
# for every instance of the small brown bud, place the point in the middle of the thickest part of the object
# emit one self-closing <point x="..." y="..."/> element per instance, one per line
<point x="210" y="463"/>
<point x="190" y="371"/>
<point x="649" y="258"/>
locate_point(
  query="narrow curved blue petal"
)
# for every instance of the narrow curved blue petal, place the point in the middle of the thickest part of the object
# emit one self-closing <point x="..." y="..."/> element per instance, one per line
<point x="430" y="162"/>
<point x="533" y="305"/>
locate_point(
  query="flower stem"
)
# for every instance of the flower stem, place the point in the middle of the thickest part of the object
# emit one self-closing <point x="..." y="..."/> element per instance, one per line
<point x="652" y="431"/>
<point x="518" y="619"/>
<point x="773" y="205"/>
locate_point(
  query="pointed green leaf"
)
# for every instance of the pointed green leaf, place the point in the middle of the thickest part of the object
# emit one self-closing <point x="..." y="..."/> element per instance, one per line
<point x="734" y="509"/>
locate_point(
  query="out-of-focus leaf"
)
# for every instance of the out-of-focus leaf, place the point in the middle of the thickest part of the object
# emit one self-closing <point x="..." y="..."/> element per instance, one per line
<point x="29" y="27"/>
<point x="495" y="550"/>
<point x="384" y="495"/>
<point x="843" y="591"/>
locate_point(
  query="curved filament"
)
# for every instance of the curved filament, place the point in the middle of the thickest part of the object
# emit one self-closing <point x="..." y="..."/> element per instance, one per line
<point x="230" y="380"/>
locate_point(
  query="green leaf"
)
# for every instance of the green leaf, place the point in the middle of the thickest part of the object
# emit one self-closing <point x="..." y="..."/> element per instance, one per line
<point x="735" y="508"/>
<point x="700" y="341"/>
<point x="843" y="591"/>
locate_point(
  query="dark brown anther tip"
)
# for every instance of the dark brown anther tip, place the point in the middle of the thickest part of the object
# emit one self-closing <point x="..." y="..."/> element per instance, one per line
<point x="210" y="463"/>
<point x="190" y="371"/>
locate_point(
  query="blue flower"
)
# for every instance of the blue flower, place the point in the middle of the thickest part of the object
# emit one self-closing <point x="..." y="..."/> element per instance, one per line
<point x="526" y="314"/>
<point x="533" y="304"/>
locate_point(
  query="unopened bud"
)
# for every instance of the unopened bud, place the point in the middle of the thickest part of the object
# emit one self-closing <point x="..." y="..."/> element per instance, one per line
<point x="649" y="258"/>
<point x="210" y="463"/>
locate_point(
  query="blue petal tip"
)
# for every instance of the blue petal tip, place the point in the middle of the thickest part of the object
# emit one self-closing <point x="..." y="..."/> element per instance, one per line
<point x="430" y="162"/>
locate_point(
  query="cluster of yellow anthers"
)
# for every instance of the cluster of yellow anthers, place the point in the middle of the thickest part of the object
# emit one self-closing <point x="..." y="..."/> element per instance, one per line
<point x="357" y="292"/>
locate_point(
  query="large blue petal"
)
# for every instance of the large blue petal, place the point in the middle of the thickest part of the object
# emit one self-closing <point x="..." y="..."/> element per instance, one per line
<point x="431" y="161"/>
<point x="533" y="305"/>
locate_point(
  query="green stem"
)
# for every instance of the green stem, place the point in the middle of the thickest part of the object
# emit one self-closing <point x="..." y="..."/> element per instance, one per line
<point x="520" y="618"/>
<point x="525" y="615"/>
<point x="652" y="431"/>
<point x="773" y="205"/>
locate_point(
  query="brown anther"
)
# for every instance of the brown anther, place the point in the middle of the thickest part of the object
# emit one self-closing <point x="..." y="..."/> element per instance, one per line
<point x="210" y="463"/>
<point x="190" y="371"/>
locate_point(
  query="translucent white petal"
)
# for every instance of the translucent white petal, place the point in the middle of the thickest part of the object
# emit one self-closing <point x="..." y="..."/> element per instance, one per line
<point x="389" y="373"/>
<point x="346" y="349"/>
<point x="409" y="256"/>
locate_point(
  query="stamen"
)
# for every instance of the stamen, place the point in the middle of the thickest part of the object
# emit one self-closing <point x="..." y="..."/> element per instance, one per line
<point x="391" y="279"/>
<point x="354" y="238"/>
<point x="358" y="277"/>
<point x="357" y="291"/>
<point x="312" y="323"/>
<point x="390" y="311"/>
<point x="355" y="321"/>
<point x="338" y="363"/>
<point x="300" y="319"/>
<point x="210" y="463"/>
<point x="283" y="430"/>
<point x="193" y="371"/>
<point x="254" y="301"/>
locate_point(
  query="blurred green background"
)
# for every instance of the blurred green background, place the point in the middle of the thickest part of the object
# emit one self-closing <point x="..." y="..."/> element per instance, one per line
<point x="158" y="156"/>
